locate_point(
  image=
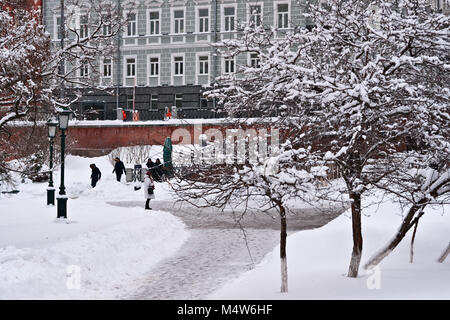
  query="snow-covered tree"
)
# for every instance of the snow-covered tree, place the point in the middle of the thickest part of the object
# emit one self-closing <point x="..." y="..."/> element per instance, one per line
<point x="254" y="177"/>
<point x="33" y="71"/>
<point x="359" y="83"/>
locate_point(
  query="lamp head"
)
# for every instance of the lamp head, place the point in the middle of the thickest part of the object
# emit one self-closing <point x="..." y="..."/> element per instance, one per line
<point x="63" y="118"/>
<point x="51" y="124"/>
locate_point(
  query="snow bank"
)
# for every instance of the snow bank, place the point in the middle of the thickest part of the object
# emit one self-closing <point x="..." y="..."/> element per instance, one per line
<point x="108" y="260"/>
<point x="318" y="262"/>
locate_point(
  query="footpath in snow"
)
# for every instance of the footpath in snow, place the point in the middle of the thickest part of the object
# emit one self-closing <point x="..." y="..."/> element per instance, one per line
<point x="97" y="254"/>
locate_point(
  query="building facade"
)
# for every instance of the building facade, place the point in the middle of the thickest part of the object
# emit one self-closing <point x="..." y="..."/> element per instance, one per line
<point x="165" y="55"/>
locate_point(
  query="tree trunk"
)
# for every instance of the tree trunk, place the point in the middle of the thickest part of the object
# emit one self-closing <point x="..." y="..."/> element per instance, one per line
<point x="404" y="228"/>
<point x="411" y="253"/>
<point x="283" y="258"/>
<point x="357" y="235"/>
<point x="445" y="254"/>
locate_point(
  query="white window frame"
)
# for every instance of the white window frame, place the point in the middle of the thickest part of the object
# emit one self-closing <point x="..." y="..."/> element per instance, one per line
<point x="126" y="13"/>
<point x="197" y="65"/>
<point x="172" y="63"/>
<point x="102" y="70"/>
<point x="224" y="64"/>
<point x="250" y="4"/>
<point x="83" y="27"/>
<point x="55" y="27"/>
<point x="125" y="76"/>
<point x="275" y="10"/>
<point x="223" y="17"/>
<point x="249" y="59"/>
<point x="149" y="57"/>
<point x="84" y="66"/>
<point x="197" y="19"/>
<point x="149" y="29"/>
<point x="107" y="24"/>
<point x="172" y="20"/>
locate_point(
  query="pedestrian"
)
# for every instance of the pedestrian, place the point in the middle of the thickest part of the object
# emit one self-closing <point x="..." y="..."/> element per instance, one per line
<point x="119" y="168"/>
<point x="158" y="170"/>
<point x="95" y="175"/>
<point x="150" y="164"/>
<point x="149" y="187"/>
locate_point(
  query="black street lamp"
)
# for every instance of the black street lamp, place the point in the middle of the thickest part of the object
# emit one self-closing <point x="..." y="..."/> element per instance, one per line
<point x="63" y="123"/>
<point x="51" y="123"/>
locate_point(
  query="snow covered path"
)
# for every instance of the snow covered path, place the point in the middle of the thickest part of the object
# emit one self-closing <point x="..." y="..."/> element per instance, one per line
<point x="216" y="251"/>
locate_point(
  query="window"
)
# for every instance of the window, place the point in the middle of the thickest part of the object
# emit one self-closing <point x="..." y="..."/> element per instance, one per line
<point x="282" y="15"/>
<point x="178" y="100"/>
<point x="229" y="17"/>
<point x="228" y="65"/>
<point x="107" y="68"/>
<point x="84" y="27"/>
<point x="84" y="69"/>
<point x="254" y="60"/>
<point x="131" y="24"/>
<point x="131" y="67"/>
<point x="154" y="22"/>
<point x="203" y="103"/>
<point x="130" y="102"/>
<point x="203" y="65"/>
<point x="203" y="16"/>
<point x="107" y="31"/>
<point x="58" y="34"/>
<point x="255" y="14"/>
<point x="178" y="64"/>
<point x="178" y="21"/>
<point x="154" y="66"/>
<point x="154" y="101"/>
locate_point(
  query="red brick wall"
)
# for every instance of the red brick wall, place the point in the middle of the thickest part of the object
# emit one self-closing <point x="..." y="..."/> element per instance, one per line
<point x="110" y="137"/>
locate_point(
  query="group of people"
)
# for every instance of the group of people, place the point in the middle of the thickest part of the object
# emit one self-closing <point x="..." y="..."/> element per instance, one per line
<point x="155" y="170"/>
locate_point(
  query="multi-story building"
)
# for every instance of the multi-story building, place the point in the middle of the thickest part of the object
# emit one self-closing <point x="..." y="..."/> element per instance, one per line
<point x="166" y="58"/>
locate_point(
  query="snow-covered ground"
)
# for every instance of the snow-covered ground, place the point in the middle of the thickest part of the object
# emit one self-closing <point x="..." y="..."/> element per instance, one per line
<point x="111" y="249"/>
<point x="101" y="249"/>
<point x="318" y="262"/>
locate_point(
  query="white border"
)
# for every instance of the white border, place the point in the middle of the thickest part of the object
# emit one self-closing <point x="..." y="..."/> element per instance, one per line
<point x="124" y="77"/>
<point x="197" y="66"/>
<point x="154" y="55"/>
<point x="172" y="67"/>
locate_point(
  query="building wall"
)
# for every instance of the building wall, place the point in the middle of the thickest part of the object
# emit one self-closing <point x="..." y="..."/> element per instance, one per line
<point x="166" y="45"/>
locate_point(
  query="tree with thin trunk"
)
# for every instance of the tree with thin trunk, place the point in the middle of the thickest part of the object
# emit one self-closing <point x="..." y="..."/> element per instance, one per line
<point x="356" y="84"/>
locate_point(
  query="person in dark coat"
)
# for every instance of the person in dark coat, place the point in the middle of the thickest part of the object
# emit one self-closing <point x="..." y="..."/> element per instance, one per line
<point x="119" y="168"/>
<point x="158" y="170"/>
<point x="150" y="164"/>
<point x="95" y="175"/>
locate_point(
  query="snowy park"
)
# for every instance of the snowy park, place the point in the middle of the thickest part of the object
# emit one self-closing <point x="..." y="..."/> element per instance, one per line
<point x="224" y="150"/>
<point x="111" y="248"/>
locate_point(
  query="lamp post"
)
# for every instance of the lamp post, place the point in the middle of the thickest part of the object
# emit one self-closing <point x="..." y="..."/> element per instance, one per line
<point x="51" y="123"/>
<point x="63" y="123"/>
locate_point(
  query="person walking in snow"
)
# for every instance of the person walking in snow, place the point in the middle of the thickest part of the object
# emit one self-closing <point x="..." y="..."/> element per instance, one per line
<point x="95" y="175"/>
<point x="119" y="168"/>
<point x="149" y="187"/>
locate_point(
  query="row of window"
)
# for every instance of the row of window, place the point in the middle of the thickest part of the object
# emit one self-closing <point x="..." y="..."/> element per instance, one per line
<point x="178" y="66"/>
<point x="177" y="101"/>
<point x="178" y="25"/>
<point x="255" y="16"/>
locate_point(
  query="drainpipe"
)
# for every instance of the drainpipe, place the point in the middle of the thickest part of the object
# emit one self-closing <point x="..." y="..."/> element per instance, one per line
<point x="119" y="12"/>
<point x="215" y="51"/>
<point x="61" y="66"/>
